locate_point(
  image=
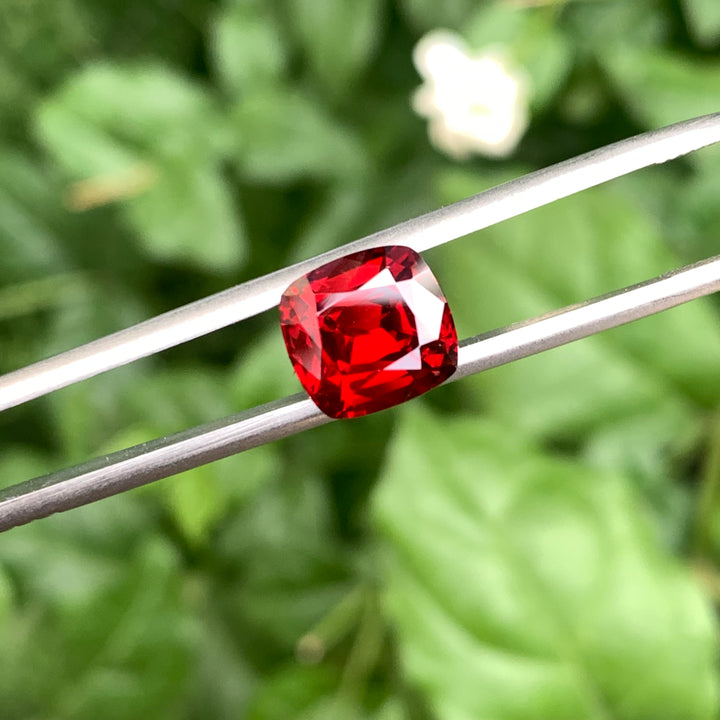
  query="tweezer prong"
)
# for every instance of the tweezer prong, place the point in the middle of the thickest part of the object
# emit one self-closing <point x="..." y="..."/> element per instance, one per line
<point x="157" y="459"/>
<point x="160" y="458"/>
<point x="435" y="228"/>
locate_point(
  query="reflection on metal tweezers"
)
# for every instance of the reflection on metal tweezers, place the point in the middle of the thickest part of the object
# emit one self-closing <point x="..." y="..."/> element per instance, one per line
<point x="160" y="458"/>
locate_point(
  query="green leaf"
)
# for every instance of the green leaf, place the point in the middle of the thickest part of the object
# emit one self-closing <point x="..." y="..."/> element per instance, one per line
<point x="703" y="17"/>
<point x="285" y="569"/>
<point x="21" y="462"/>
<point x="532" y="40"/>
<point x="429" y="14"/>
<point x="263" y="373"/>
<point x="596" y="27"/>
<point x="100" y="629"/>
<point x="150" y="138"/>
<point x="344" y="212"/>
<point x="660" y="87"/>
<point x="137" y="642"/>
<point x="392" y="710"/>
<point x="24" y="298"/>
<point x="547" y="56"/>
<point x="40" y="44"/>
<point x="495" y="23"/>
<point x="197" y="502"/>
<point x="693" y="211"/>
<point x="198" y="499"/>
<point x="525" y="586"/>
<point x="7" y="593"/>
<point x="575" y="249"/>
<point x="29" y="226"/>
<point x="189" y="215"/>
<point x="130" y="111"/>
<point x="292" y="692"/>
<point x="247" y="47"/>
<point x="223" y="680"/>
<point x="650" y="450"/>
<point x="173" y="399"/>
<point x="64" y="563"/>
<point x="338" y="37"/>
<point x="287" y="136"/>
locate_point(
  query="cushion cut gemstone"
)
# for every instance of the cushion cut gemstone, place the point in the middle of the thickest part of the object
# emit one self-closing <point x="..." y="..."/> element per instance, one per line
<point x="368" y="331"/>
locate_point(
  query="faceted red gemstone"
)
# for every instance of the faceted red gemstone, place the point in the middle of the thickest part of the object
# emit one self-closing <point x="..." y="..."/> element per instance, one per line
<point x="368" y="331"/>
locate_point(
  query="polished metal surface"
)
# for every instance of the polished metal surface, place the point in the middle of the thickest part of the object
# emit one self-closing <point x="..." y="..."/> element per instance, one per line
<point x="127" y="469"/>
<point x="435" y="228"/>
<point x="578" y="321"/>
<point x="130" y="468"/>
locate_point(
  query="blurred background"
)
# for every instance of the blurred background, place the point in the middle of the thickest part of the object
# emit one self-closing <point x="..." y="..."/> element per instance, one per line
<point x="540" y="542"/>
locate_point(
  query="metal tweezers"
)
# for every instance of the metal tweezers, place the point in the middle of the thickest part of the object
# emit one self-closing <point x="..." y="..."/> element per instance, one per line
<point x="141" y="464"/>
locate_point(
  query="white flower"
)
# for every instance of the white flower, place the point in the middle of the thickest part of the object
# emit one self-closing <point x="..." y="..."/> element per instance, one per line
<point x="475" y="102"/>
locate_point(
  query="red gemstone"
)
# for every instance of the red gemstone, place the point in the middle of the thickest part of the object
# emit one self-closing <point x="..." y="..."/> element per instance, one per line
<point x="368" y="331"/>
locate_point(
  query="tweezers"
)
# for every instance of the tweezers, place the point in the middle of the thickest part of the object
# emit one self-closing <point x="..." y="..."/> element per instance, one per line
<point x="120" y="471"/>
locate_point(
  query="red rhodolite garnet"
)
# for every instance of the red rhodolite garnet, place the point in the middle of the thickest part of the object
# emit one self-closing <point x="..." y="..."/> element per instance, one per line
<point x="368" y="331"/>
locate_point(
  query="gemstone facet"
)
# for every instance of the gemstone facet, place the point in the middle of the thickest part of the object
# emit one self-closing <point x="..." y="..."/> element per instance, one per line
<point x="368" y="331"/>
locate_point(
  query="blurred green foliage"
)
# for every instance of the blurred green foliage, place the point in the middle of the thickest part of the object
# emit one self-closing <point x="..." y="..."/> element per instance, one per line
<point x="552" y="553"/>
